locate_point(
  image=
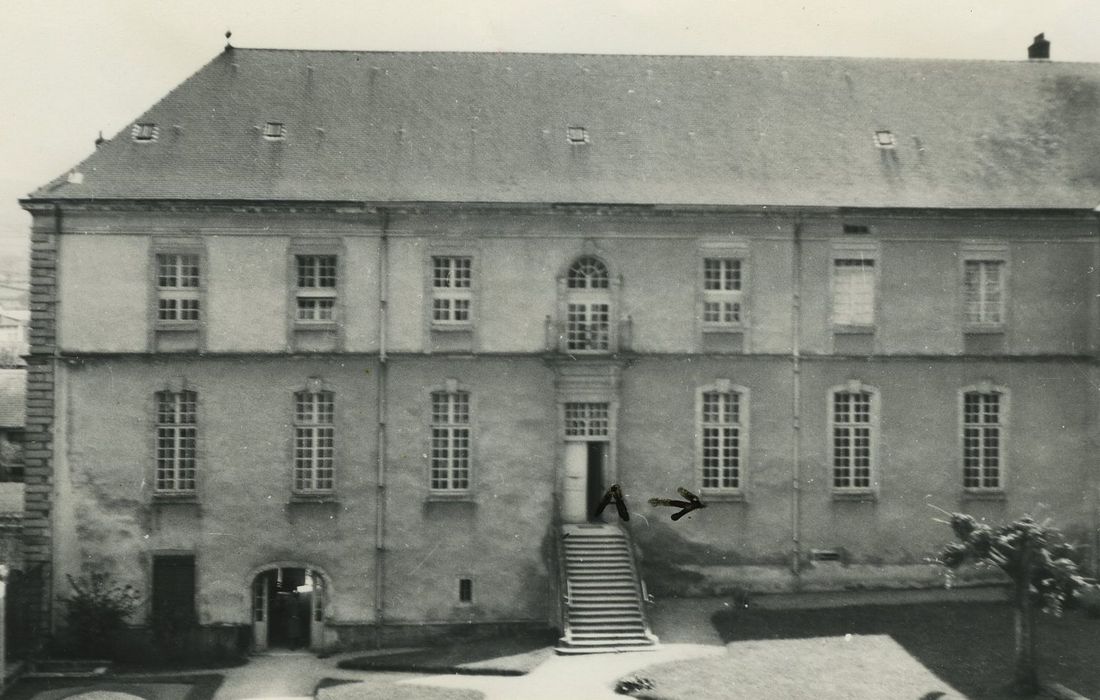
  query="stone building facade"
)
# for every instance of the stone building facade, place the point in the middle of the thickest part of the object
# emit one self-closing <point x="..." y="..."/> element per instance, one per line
<point x="336" y="342"/>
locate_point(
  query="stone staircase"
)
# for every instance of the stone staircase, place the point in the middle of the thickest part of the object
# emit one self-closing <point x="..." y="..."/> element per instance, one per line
<point x="604" y="609"/>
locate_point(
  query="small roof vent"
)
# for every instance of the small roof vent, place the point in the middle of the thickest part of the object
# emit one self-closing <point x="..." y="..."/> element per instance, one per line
<point x="274" y="130"/>
<point x="885" y="139"/>
<point x="146" y="131"/>
<point x="577" y="135"/>
<point x="1039" y="49"/>
<point x="857" y="229"/>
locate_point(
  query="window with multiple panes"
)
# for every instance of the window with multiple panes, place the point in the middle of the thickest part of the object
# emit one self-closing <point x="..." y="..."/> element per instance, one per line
<point x="983" y="287"/>
<point x="585" y="420"/>
<point x="720" y="440"/>
<point x="178" y="283"/>
<point x="451" y="279"/>
<point x="176" y="437"/>
<point x="854" y="292"/>
<point x="852" y="439"/>
<point x="721" y="292"/>
<point x="314" y="441"/>
<point x="450" y="441"/>
<point x="588" y="307"/>
<point x="982" y="433"/>
<point x="316" y="288"/>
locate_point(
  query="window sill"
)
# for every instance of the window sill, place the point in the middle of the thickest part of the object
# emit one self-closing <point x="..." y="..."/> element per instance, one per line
<point x="452" y="327"/>
<point x="855" y="496"/>
<point x="723" y="329"/>
<point x="991" y="495"/>
<point x="984" y="330"/>
<point x="177" y="326"/>
<point x="318" y="497"/>
<point x="709" y="497"/>
<point x="853" y="330"/>
<point x="315" y="325"/>
<point x="464" y="497"/>
<point x="165" y="497"/>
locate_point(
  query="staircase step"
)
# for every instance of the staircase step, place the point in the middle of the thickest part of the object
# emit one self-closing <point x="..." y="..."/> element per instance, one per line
<point x="606" y="617"/>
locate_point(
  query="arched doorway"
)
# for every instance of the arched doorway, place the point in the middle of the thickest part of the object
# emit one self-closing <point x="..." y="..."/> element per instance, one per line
<point x="288" y="609"/>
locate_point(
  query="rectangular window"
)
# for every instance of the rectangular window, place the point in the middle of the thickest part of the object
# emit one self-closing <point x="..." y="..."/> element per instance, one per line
<point x="174" y="589"/>
<point x="314" y="440"/>
<point x="854" y="292"/>
<point x="588" y="327"/>
<point x="316" y="289"/>
<point x="720" y="434"/>
<point x="451" y="281"/>
<point x="465" y="590"/>
<point x="721" y="292"/>
<point x="982" y="434"/>
<point x="852" y="440"/>
<point x="176" y="437"/>
<point x="178" y="283"/>
<point x="450" y="443"/>
<point x="983" y="288"/>
<point x="586" y="420"/>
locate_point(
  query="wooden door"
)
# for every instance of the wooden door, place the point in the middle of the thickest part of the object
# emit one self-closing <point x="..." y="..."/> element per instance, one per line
<point x="575" y="488"/>
<point x="261" y="590"/>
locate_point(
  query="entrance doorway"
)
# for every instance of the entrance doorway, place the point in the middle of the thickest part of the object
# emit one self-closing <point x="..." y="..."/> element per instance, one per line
<point x="288" y="609"/>
<point x="585" y="480"/>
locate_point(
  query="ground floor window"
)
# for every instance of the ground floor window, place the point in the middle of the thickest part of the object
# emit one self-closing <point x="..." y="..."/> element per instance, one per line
<point x="173" y="591"/>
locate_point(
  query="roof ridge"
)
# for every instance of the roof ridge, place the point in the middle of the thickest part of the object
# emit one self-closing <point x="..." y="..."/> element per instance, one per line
<point x="562" y="54"/>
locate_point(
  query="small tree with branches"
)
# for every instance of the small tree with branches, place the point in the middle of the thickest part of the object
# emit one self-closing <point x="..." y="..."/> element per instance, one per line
<point x="1038" y="560"/>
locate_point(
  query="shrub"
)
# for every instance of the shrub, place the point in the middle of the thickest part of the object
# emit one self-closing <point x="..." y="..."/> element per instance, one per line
<point x="96" y="613"/>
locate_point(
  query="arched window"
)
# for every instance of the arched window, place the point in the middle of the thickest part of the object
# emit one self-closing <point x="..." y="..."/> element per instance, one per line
<point x="588" y="307"/>
<point x="853" y="436"/>
<point x="588" y="273"/>
<point x="314" y="440"/>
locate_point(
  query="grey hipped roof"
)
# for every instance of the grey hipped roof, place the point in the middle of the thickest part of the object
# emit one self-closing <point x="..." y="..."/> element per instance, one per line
<point x="698" y="130"/>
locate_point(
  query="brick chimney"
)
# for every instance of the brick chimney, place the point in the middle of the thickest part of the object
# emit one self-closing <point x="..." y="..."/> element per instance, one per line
<point x="1039" y="50"/>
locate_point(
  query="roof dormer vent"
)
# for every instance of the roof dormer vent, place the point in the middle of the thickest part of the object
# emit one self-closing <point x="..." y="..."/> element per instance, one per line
<point x="274" y="130"/>
<point x="146" y="131"/>
<point x="577" y="135"/>
<point x="885" y="139"/>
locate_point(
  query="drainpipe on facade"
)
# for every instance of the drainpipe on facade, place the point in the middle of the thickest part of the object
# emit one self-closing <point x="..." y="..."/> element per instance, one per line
<point x="380" y="488"/>
<point x="796" y="402"/>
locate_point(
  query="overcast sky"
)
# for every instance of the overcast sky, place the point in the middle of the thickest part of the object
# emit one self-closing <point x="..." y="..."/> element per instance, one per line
<point x="74" y="68"/>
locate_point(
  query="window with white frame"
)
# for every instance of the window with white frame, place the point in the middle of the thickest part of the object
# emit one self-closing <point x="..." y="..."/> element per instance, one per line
<point x="721" y="439"/>
<point x="982" y="436"/>
<point x="854" y="291"/>
<point x="721" y="292"/>
<point x="176" y="442"/>
<point x="314" y="441"/>
<point x="983" y="289"/>
<point x="451" y="290"/>
<point x="178" y="283"/>
<point x="450" y="441"/>
<point x="853" y="436"/>
<point x="316" y="288"/>
<point x="586" y="420"/>
<point x="588" y="307"/>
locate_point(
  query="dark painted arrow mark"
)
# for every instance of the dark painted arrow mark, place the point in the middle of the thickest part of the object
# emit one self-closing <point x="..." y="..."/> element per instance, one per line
<point x="692" y="503"/>
<point x="614" y="494"/>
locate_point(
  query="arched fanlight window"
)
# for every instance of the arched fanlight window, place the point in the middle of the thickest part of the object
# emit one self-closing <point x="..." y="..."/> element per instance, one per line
<point x="588" y="273"/>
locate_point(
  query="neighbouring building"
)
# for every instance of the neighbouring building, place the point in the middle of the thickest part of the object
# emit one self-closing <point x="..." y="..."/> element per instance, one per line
<point x="330" y="348"/>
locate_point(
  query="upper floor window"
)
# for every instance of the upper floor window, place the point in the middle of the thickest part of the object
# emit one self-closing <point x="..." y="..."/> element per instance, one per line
<point x="854" y="427"/>
<point x="176" y="441"/>
<point x="316" y="290"/>
<point x="721" y="292"/>
<point x="854" y="291"/>
<point x="983" y="289"/>
<point x="451" y="290"/>
<point x="450" y="441"/>
<point x="177" y="287"/>
<point x="588" y="307"/>
<point x="721" y="438"/>
<point x="982" y="439"/>
<point x="314" y="440"/>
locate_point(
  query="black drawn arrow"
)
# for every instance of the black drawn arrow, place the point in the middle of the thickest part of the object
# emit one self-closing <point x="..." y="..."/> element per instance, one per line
<point x="614" y="494"/>
<point x="692" y="503"/>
